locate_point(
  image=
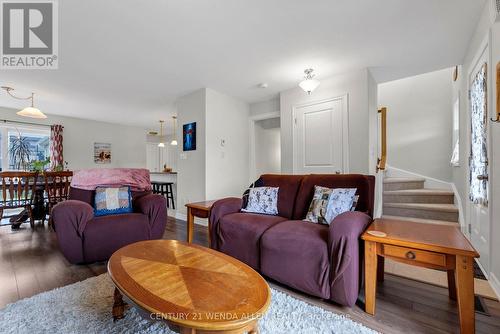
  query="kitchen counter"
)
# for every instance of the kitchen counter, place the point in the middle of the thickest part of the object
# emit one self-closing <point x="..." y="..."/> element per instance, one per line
<point x="160" y="173"/>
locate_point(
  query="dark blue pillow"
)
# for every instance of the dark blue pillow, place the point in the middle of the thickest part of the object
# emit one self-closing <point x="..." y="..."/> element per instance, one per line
<point x="112" y="201"/>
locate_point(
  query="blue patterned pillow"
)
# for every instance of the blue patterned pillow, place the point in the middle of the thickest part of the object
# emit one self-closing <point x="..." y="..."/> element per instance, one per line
<point x="112" y="201"/>
<point x="341" y="200"/>
<point x="263" y="200"/>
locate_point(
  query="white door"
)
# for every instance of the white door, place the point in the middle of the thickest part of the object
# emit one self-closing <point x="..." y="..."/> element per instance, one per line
<point x="320" y="137"/>
<point x="478" y="160"/>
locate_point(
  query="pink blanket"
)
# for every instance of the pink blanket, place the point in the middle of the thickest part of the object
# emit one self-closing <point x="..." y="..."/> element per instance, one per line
<point x="89" y="179"/>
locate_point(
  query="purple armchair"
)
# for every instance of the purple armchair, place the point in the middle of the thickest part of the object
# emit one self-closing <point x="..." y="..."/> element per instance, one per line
<point x="84" y="238"/>
<point x="320" y="260"/>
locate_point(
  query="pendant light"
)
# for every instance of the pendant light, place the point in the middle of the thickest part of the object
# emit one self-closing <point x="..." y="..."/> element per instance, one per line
<point x="161" y="143"/>
<point x="28" y="111"/>
<point x="174" y="139"/>
<point x="309" y="84"/>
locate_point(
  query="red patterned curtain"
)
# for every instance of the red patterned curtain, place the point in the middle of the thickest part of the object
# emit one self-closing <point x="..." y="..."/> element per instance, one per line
<point x="56" y="146"/>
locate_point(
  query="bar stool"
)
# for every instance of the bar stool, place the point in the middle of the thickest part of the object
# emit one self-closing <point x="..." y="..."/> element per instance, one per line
<point x="164" y="189"/>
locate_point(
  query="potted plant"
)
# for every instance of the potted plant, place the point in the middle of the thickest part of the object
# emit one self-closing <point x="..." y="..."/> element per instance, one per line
<point x="20" y="152"/>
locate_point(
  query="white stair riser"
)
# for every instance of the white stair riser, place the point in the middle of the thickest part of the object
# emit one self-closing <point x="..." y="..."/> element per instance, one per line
<point x="436" y="199"/>
<point x="419" y="213"/>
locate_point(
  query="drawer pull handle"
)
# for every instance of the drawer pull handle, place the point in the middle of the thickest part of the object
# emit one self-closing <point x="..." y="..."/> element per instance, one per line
<point x="410" y="255"/>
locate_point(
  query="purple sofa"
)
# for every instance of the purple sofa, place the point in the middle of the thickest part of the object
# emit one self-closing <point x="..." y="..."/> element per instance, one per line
<point x="320" y="260"/>
<point x="84" y="238"/>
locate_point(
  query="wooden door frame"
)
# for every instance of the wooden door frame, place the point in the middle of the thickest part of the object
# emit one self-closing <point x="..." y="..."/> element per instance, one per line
<point x="345" y="129"/>
<point x="484" y="48"/>
<point x="252" y="120"/>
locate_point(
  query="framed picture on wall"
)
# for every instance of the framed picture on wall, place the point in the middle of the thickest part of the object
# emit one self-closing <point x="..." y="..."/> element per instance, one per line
<point x="102" y="153"/>
<point x="189" y="137"/>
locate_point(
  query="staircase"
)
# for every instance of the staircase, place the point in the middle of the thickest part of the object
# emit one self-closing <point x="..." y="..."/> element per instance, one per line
<point x="408" y="199"/>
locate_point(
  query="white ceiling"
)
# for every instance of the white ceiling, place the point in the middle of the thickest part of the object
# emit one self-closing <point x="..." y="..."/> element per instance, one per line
<point x="127" y="61"/>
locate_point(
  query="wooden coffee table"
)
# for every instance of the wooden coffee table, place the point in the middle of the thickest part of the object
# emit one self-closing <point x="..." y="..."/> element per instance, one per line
<point x="193" y="288"/>
<point x="431" y="246"/>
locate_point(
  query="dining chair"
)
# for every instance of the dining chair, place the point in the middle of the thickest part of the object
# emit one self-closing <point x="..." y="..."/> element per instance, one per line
<point x="57" y="185"/>
<point x="18" y="189"/>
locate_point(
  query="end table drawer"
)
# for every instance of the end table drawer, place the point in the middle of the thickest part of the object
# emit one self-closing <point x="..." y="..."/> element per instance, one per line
<point x="416" y="255"/>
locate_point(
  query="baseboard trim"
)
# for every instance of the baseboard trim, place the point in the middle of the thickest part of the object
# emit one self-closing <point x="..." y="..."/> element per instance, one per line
<point x="495" y="284"/>
<point x="197" y="221"/>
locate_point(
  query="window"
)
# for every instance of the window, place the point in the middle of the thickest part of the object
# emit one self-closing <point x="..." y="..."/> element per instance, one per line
<point x="21" y="146"/>
<point x="455" y="156"/>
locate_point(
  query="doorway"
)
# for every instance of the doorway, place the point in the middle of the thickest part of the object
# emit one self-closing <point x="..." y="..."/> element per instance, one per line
<point x="479" y="186"/>
<point x="320" y="135"/>
<point x="265" y="145"/>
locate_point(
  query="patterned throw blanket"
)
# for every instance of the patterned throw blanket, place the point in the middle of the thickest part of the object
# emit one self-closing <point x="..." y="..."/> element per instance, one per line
<point x="89" y="179"/>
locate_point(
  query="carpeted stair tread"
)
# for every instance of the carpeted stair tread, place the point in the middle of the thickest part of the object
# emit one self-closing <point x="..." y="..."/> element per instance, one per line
<point x="423" y="191"/>
<point x="421" y="220"/>
<point x="423" y="206"/>
<point x="402" y="179"/>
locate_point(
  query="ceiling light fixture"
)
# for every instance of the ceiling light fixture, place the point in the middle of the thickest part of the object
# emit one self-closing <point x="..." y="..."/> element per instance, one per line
<point x="174" y="139"/>
<point x="28" y="111"/>
<point x="309" y="84"/>
<point x="161" y="143"/>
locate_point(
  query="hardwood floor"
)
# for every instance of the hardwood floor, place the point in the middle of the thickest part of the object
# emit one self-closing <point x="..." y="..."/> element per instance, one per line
<point x="30" y="263"/>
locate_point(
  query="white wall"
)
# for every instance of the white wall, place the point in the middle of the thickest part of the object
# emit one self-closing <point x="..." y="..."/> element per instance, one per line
<point x="419" y="123"/>
<point x="268" y="146"/>
<point x="265" y="107"/>
<point x="227" y="166"/>
<point x="356" y="85"/>
<point x="191" y="170"/>
<point x="128" y="143"/>
<point x="213" y="171"/>
<point x="485" y="30"/>
<point x="495" y="169"/>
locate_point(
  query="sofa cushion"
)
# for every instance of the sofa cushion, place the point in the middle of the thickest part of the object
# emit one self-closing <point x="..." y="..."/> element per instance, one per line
<point x="296" y="253"/>
<point x="105" y="235"/>
<point x="364" y="183"/>
<point x="239" y="235"/>
<point x="288" y="187"/>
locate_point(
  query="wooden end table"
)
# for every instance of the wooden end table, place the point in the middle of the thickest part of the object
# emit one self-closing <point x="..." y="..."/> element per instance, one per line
<point x="431" y="246"/>
<point x="200" y="210"/>
<point x="194" y="288"/>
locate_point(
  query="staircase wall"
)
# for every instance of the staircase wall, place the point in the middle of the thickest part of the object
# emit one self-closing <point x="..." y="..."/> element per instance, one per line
<point x="419" y="123"/>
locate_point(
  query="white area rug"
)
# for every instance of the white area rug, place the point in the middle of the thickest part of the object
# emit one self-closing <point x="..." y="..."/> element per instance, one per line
<point x="85" y="307"/>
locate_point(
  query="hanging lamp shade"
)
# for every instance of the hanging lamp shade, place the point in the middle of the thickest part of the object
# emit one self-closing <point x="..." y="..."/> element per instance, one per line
<point x="32" y="112"/>
<point x="174" y="139"/>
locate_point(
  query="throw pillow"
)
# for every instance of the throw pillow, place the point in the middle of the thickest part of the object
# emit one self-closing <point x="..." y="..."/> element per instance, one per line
<point x="258" y="183"/>
<point x="341" y="200"/>
<point x="355" y="203"/>
<point x="111" y="201"/>
<point x="319" y="203"/>
<point x="263" y="200"/>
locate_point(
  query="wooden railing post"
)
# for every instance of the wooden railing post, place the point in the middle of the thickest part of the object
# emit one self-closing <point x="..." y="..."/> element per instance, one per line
<point x="383" y="133"/>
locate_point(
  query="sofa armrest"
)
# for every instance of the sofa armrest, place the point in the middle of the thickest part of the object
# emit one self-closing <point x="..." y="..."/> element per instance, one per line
<point x="343" y="246"/>
<point x="70" y="218"/>
<point x="219" y="209"/>
<point x="155" y="207"/>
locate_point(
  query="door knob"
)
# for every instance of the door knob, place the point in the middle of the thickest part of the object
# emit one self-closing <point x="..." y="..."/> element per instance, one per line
<point x="482" y="177"/>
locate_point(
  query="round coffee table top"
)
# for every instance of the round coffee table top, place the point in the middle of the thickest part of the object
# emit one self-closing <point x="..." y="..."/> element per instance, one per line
<point x="189" y="285"/>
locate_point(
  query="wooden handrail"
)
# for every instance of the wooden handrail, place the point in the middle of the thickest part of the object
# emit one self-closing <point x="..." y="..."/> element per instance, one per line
<point x="497" y="119"/>
<point x="383" y="133"/>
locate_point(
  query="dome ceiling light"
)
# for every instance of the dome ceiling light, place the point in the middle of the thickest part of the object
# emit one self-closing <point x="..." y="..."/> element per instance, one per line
<point x="309" y="84"/>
